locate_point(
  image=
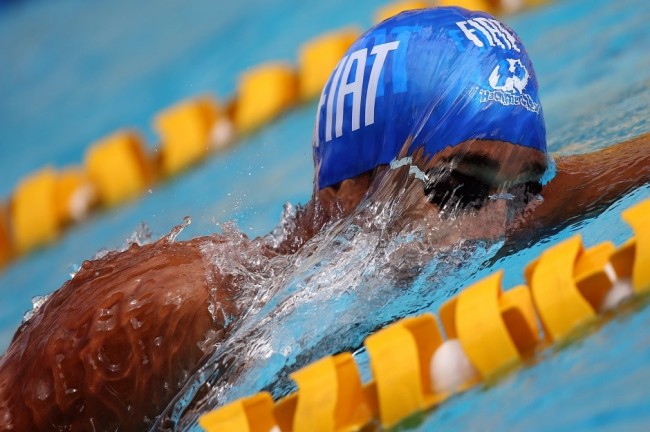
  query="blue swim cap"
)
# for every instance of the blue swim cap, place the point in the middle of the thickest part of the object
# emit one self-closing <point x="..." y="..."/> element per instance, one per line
<point x="441" y="76"/>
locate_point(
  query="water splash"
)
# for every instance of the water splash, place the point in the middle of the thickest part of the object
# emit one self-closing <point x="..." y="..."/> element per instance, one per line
<point x="142" y="235"/>
<point x="390" y="258"/>
<point x="37" y="303"/>
<point x="73" y="269"/>
<point x="171" y="237"/>
<point x="285" y="227"/>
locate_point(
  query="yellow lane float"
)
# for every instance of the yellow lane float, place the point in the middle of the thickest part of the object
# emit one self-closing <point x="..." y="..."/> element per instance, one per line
<point x="529" y="3"/>
<point x="487" y="331"/>
<point x="392" y="9"/>
<point x="74" y="195"/>
<point x="264" y="93"/>
<point x="490" y="6"/>
<point x="634" y="259"/>
<point x="318" y="57"/>
<point x="496" y="329"/>
<point x="254" y="413"/>
<point x="186" y="132"/>
<point x="399" y="361"/>
<point x="33" y="214"/>
<point x="118" y="167"/>
<point x="330" y="397"/>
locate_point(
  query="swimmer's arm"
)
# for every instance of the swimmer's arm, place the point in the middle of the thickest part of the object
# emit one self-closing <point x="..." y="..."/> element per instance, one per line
<point x="586" y="183"/>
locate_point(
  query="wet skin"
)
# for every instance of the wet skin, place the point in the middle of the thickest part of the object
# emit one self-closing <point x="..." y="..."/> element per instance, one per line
<point x="114" y="344"/>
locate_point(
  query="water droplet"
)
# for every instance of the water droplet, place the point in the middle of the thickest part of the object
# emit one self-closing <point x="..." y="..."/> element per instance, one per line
<point x="73" y="269"/>
<point x="100" y="254"/>
<point x="106" y="320"/>
<point x="135" y="323"/>
<point x="141" y="236"/>
<point x="37" y="302"/>
<point x="171" y="237"/>
<point x="43" y="390"/>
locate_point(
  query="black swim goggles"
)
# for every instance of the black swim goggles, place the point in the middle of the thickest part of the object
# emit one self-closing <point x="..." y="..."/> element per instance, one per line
<point x="450" y="189"/>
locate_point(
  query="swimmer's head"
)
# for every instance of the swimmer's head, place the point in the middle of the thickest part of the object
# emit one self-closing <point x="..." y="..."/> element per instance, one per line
<point x="435" y="79"/>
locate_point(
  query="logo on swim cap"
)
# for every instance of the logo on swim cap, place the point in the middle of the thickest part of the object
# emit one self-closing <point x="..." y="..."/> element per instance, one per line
<point x="437" y="77"/>
<point x="508" y="89"/>
<point x="516" y="81"/>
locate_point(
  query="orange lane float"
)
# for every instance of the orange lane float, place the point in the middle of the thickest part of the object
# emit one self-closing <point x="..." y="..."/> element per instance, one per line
<point x="119" y="167"/>
<point x="263" y="93"/>
<point x="486" y="327"/>
<point x="318" y="57"/>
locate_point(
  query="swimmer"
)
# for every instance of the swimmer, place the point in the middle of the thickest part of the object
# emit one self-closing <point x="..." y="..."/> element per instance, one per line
<point x="442" y="100"/>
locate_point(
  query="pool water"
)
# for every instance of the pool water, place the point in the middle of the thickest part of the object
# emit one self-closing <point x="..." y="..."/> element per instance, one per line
<point x="67" y="84"/>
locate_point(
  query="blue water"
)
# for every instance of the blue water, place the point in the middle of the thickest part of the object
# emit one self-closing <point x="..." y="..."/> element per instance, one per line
<point x="73" y="71"/>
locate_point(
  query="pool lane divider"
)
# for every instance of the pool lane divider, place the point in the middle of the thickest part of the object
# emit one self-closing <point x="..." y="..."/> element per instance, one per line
<point x="391" y="9"/>
<point x="119" y="168"/>
<point x="484" y="331"/>
<point x="186" y="133"/>
<point x="491" y="6"/>
<point x="318" y="57"/>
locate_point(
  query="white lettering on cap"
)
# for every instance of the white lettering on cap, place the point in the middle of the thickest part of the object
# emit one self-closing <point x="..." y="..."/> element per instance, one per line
<point x="355" y="88"/>
<point x="380" y="52"/>
<point x="491" y="30"/>
<point x="341" y="83"/>
<point x="330" y="99"/>
<point x="469" y="33"/>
